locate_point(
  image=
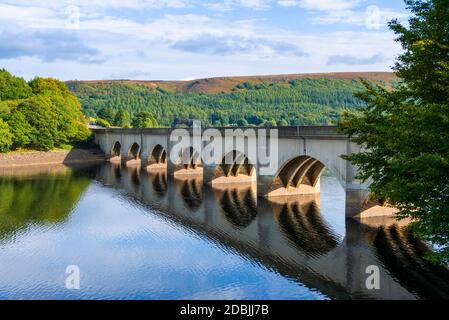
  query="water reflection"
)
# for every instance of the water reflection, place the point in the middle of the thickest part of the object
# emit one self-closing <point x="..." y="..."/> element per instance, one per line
<point x="190" y="191"/>
<point x="301" y="221"/>
<point x="239" y="205"/>
<point x="159" y="181"/>
<point x="403" y="255"/>
<point x="33" y="197"/>
<point x="292" y="237"/>
<point x="289" y="238"/>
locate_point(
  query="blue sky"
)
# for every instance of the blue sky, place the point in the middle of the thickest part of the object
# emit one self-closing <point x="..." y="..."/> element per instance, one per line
<point x="188" y="39"/>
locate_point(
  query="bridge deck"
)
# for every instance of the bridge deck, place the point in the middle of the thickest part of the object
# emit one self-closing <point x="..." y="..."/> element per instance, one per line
<point x="283" y="132"/>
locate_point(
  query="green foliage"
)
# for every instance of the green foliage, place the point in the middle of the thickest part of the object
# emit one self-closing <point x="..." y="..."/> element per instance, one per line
<point x="144" y="120"/>
<point x="103" y="123"/>
<point x="5" y="136"/>
<point x="47" y="116"/>
<point x="40" y="115"/>
<point x="48" y="86"/>
<point x="48" y="200"/>
<point x="13" y="88"/>
<point x="21" y="130"/>
<point x="4" y="110"/>
<point x="298" y="102"/>
<point x="242" y="122"/>
<point x="122" y="119"/>
<point x="106" y="114"/>
<point x="405" y="133"/>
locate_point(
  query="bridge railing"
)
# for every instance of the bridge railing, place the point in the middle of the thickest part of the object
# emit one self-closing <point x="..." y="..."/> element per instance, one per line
<point x="283" y="132"/>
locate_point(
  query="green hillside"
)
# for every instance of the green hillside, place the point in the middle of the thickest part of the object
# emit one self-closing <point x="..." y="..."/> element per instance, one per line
<point x="303" y="101"/>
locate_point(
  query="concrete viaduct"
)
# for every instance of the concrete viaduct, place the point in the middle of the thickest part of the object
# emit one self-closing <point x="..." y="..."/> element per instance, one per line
<point x="300" y="154"/>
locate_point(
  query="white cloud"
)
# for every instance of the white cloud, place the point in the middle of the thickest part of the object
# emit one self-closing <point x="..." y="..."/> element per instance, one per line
<point x="345" y="12"/>
<point x="370" y="19"/>
<point x="227" y="5"/>
<point x="175" y="46"/>
<point x="321" y="5"/>
<point x="288" y="3"/>
<point x="329" y="5"/>
<point x="114" y="4"/>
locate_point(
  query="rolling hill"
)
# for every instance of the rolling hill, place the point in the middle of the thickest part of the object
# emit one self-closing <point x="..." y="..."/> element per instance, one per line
<point x="226" y="84"/>
<point x="296" y="99"/>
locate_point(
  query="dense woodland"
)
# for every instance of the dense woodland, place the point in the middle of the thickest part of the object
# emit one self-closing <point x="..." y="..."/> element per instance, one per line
<point x="296" y="102"/>
<point x="41" y="114"/>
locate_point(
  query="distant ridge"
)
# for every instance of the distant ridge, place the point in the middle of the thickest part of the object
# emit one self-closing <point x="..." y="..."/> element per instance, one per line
<point x="226" y="84"/>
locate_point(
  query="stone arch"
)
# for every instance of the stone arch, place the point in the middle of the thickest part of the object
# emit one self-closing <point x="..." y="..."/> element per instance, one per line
<point x="116" y="151"/>
<point x="157" y="158"/>
<point x="193" y="157"/>
<point x="134" y="152"/>
<point x="235" y="167"/>
<point x="298" y="175"/>
<point x="189" y="162"/>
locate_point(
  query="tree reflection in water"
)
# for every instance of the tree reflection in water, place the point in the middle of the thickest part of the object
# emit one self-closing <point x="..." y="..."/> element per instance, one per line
<point x="40" y="198"/>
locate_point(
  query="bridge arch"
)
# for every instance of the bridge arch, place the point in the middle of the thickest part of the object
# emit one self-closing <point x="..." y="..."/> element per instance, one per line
<point x="189" y="162"/>
<point x="134" y="152"/>
<point x="236" y="167"/>
<point x="116" y="150"/>
<point x="298" y="175"/>
<point x="157" y="157"/>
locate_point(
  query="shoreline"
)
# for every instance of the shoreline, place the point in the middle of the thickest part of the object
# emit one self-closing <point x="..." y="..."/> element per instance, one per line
<point x="37" y="158"/>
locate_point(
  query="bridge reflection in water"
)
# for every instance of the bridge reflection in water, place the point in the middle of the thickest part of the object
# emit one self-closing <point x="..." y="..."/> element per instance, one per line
<point x="289" y="236"/>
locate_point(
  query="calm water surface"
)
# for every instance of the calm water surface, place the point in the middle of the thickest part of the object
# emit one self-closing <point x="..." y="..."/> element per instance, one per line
<point x="136" y="235"/>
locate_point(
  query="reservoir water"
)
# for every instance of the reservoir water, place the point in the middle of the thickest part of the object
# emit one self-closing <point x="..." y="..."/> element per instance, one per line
<point x="138" y="235"/>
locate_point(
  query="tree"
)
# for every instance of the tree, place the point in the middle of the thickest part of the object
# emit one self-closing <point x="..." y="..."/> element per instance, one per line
<point x="13" y="88"/>
<point x="20" y="129"/>
<point x="282" y="123"/>
<point x="242" y="123"/>
<point x="405" y="132"/>
<point x="270" y="123"/>
<point x="103" y="123"/>
<point x="42" y="114"/>
<point x="144" y="120"/>
<point x="5" y="137"/>
<point x="38" y="112"/>
<point x="106" y="114"/>
<point x="68" y="118"/>
<point x="122" y="119"/>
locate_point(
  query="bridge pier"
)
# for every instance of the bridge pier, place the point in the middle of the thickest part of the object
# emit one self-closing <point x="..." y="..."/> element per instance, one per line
<point x="264" y="185"/>
<point x="354" y="202"/>
<point x="124" y="159"/>
<point x="209" y="172"/>
<point x="144" y="160"/>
